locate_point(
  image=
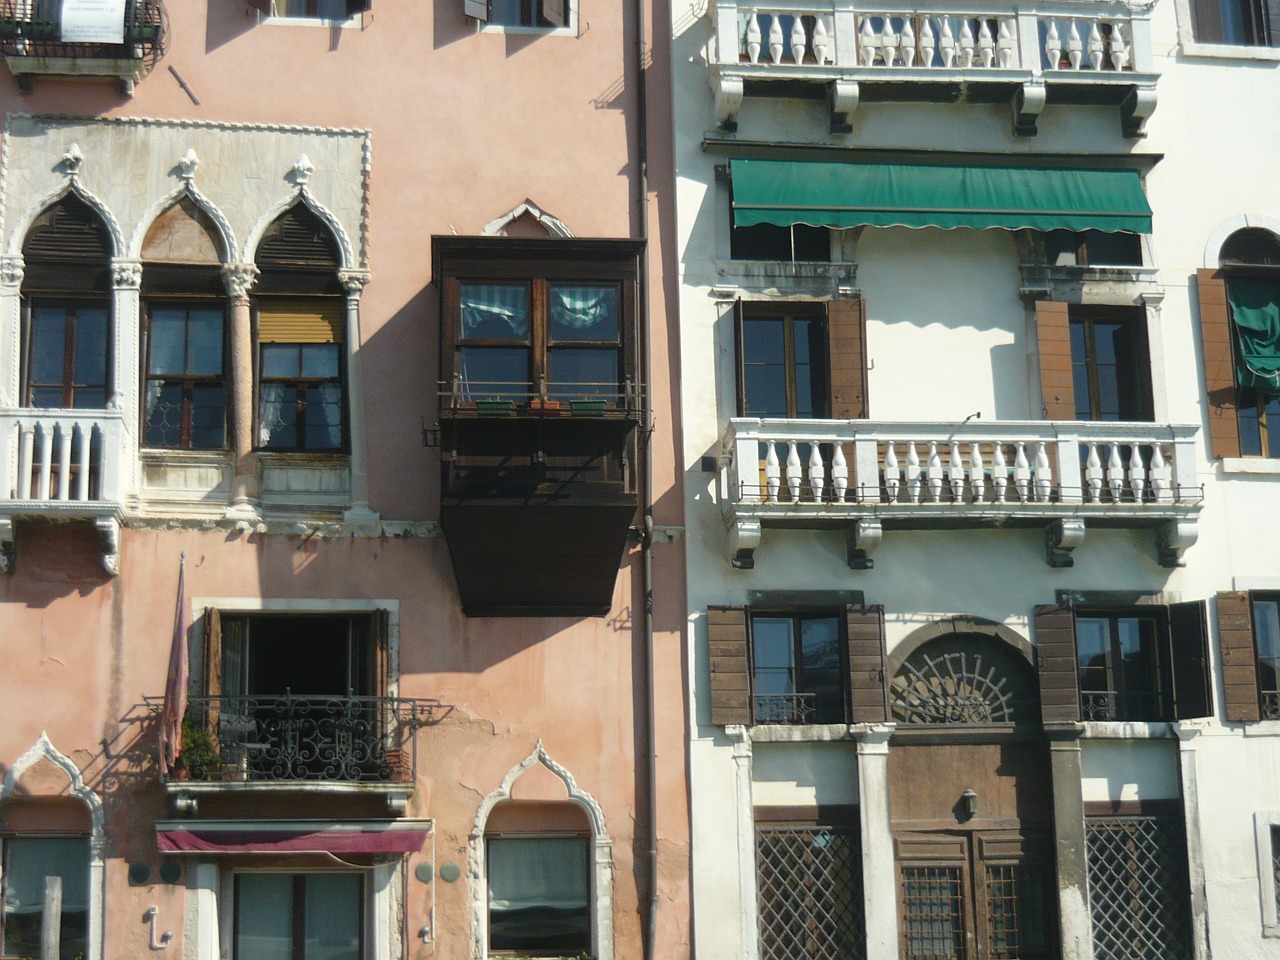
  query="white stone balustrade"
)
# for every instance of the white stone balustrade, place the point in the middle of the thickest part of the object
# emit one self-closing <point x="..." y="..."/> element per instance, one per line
<point x="61" y="458"/>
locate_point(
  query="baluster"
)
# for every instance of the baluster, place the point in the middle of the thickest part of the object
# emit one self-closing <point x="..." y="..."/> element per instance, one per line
<point x="1022" y="473"/>
<point x="999" y="472"/>
<point x="1115" y="473"/>
<point x="775" y="38"/>
<point x="46" y="458"/>
<point x="64" y="462"/>
<point x="1053" y="45"/>
<point x="913" y="472"/>
<point x="907" y="40"/>
<point x="753" y="36"/>
<point x="1005" y="43"/>
<point x="1137" y="474"/>
<point x="1044" y="474"/>
<point x="26" y="444"/>
<point x="947" y="44"/>
<point x="798" y="39"/>
<point x="1159" y="473"/>
<point x="793" y="471"/>
<point x="1093" y="473"/>
<point x="966" y="43"/>
<point x="977" y="473"/>
<point x="927" y="43"/>
<point x="1119" y="46"/>
<point x="839" y="472"/>
<point x="772" y="472"/>
<point x="935" y="473"/>
<point x="1095" y="46"/>
<point x="84" y="449"/>
<point x="868" y="43"/>
<point x="888" y="42"/>
<point x="892" y="477"/>
<point x="1075" y="48"/>
<point x="821" y="40"/>
<point x="817" y="471"/>
<point x="986" y="45"/>
<point x="955" y="473"/>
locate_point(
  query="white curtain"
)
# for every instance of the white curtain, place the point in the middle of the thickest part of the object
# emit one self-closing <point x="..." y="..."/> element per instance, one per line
<point x="537" y="872"/>
<point x="272" y="402"/>
<point x="332" y="398"/>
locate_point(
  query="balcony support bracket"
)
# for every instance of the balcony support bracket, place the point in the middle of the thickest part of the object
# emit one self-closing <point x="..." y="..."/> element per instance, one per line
<point x="1174" y="538"/>
<point x="1136" y="108"/>
<point x="728" y="97"/>
<point x="8" y="546"/>
<point x="1026" y="106"/>
<point x="397" y="804"/>
<point x="864" y="537"/>
<point x="842" y="100"/>
<point x="1060" y="539"/>
<point x="109" y="536"/>
<point x="744" y="537"/>
<point x="185" y="804"/>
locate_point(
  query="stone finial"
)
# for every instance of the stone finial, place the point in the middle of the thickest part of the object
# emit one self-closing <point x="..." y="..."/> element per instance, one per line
<point x="73" y="160"/>
<point x="302" y="170"/>
<point x="188" y="164"/>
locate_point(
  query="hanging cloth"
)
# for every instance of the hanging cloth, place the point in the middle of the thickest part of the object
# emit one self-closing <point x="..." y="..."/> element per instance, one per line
<point x="1255" y="308"/>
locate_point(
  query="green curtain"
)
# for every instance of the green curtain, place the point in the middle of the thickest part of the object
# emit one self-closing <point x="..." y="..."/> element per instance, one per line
<point x="1255" y="308"/>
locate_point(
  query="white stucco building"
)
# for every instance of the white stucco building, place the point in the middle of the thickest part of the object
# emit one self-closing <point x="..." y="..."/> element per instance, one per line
<point x="977" y="309"/>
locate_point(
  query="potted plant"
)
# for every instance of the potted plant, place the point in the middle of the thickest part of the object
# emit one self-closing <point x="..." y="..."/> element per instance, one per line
<point x="199" y="758"/>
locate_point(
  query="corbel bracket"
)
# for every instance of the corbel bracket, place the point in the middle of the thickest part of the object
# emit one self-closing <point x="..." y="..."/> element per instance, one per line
<point x="864" y="537"/>
<point x="8" y="546"/>
<point x="1060" y="539"/>
<point x="109" y="537"/>
<point x="1135" y="110"/>
<point x="842" y="100"/>
<point x="1026" y="106"/>
<point x="728" y="97"/>
<point x="1172" y="541"/>
<point x="744" y="537"/>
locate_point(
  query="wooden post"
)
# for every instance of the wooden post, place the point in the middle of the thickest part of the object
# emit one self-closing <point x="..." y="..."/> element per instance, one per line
<point x="51" y="921"/>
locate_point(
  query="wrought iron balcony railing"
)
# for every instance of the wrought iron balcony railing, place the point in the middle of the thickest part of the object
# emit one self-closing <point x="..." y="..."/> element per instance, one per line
<point x="1270" y="705"/>
<point x="293" y="739"/>
<point x="786" y="708"/>
<point x="474" y="398"/>
<point x="1122" y="705"/>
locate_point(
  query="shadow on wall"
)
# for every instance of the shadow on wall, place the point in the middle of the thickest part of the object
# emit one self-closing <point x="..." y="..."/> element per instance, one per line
<point x="226" y="20"/>
<point x="54" y="561"/>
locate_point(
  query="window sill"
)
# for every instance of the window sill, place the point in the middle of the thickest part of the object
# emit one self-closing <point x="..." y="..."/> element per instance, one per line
<point x="567" y="31"/>
<point x="799" y="732"/>
<point x="1128" y="730"/>
<point x="1227" y="51"/>
<point x="1262" y="728"/>
<point x="1266" y="466"/>
<point x="351" y="22"/>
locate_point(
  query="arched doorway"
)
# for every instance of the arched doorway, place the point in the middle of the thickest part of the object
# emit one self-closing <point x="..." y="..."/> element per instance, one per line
<point x="971" y="801"/>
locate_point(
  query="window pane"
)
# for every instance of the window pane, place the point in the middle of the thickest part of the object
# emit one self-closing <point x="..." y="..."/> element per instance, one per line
<point x="332" y="916"/>
<point x="1272" y="413"/>
<point x="46" y="396"/>
<point x="208" y="416"/>
<point x="205" y="358"/>
<point x="90" y="398"/>
<point x="539" y="895"/>
<point x="168" y="341"/>
<point x="1266" y="628"/>
<point x="494" y="373"/>
<point x="280" y="360"/>
<point x="48" y="343"/>
<point x="495" y="311"/>
<point x="264" y="916"/>
<point x="582" y="373"/>
<point x="1092" y="648"/>
<point x="324" y="416"/>
<point x="764" y="391"/>
<point x="164" y="414"/>
<point x="91" y="347"/>
<point x="277" y="417"/>
<point x="584" y="312"/>
<point x="27" y="861"/>
<point x="820" y="643"/>
<point x="320" y="360"/>
<point x="763" y="340"/>
<point x="772" y="642"/>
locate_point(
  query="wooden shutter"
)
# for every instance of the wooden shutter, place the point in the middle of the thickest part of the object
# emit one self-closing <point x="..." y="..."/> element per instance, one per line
<point x="1219" y="367"/>
<point x="1053" y="335"/>
<point x="382" y="653"/>
<point x="1189" y="656"/>
<point x="865" y="628"/>
<point x="1239" y="657"/>
<point x="730" y="679"/>
<point x="1056" y="659"/>
<point x="213" y="671"/>
<point x="555" y="12"/>
<point x="476" y="9"/>
<point x="301" y="321"/>
<point x="847" y="341"/>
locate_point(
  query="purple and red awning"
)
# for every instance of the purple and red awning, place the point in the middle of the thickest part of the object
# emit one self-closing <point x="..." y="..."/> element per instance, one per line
<point x="292" y="836"/>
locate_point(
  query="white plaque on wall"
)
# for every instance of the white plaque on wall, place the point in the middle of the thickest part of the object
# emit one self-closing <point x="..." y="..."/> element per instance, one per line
<point x="93" y="21"/>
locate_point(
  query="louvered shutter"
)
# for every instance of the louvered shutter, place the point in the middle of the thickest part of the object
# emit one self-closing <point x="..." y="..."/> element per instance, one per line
<point x="555" y="12"/>
<point x="865" y="628"/>
<point x="1189" y="655"/>
<point x="301" y="321"/>
<point x="1239" y="657"/>
<point x="847" y="343"/>
<point x="1053" y="336"/>
<point x="730" y="677"/>
<point x="1056" y="660"/>
<point x="476" y="9"/>
<point x="1219" y="367"/>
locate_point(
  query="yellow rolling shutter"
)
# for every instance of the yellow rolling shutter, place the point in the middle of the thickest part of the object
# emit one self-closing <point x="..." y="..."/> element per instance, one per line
<point x="301" y="321"/>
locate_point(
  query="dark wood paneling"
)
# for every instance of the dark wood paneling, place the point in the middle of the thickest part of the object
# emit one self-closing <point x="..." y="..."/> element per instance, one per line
<point x="1239" y="657"/>
<point x="833" y="815"/>
<point x="847" y="341"/>
<point x="1055" y="628"/>
<point x="730" y="671"/>
<point x="865" y="632"/>
<point x="1219" y="367"/>
<point x="1053" y="334"/>
<point x="1189" y="654"/>
<point x="1012" y="781"/>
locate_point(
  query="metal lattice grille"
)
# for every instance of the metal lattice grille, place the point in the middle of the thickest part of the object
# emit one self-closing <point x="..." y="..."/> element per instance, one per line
<point x="810" y="889"/>
<point x="1275" y="863"/>
<point x="1138" y="889"/>
<point x="933" y="912"/>
<point x="1017" y="912"/>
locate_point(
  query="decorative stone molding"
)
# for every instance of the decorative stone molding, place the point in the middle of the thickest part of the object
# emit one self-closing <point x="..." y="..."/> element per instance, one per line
<point x="239" y="278"/>
<point x="1027" y="105"/>
<point x="72" y="161"/>
<point x="12" y="270"/>
<point x="602" y="857"/>
<point x="948" y="626"/>
<point x="73" y="185"/>
<point x="126" y="274"/>
<point x="1136" y="109"/>
<point x="864" y="537"/>
<point x="1174" y="539"/>
<point x="553" y="225"/>
<point x="1060" y="539"/>
<point x="8" y="546"/>
<point x="744" y="537"/>
<point x="109" y="537"/>
<point x="728" y="93"/>
<point x="302" y="194"/>
<point x="353" y="281"/>
<point x="302" y="171"/>
<point x="187" y="164"/>
<point x="842" y="100"/>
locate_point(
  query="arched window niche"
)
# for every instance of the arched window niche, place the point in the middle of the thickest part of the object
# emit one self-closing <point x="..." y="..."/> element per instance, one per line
<point x="541" y="867"/>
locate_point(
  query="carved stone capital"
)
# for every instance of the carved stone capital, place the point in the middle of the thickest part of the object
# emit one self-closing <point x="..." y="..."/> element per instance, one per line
<point x="239" y="278"/>
<point x="126" y="275"/>
<point x="12" y="270"/>
<point x="864" y="537"/>
<point x="1174" y="539"/>
<point x="842" y="100"/>
<point x="728" y="97"/>
<point x="353" y="281"/>
<point x="744" y="537"/>
<point x="109" y="538"/>
<point x="1060" y="538"/>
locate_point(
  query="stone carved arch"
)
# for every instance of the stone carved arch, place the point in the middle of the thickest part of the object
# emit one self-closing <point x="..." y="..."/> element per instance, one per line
<point x="226" y="233"/>
<point x="73" y="185"/>
<point x="301" y="194"/>
<point x="949" y="626"/>
<point x="1220" y="234"/>
<point x="601" y="856"/>
<point x="43" y="749"/>
<point x="553" y="225"/>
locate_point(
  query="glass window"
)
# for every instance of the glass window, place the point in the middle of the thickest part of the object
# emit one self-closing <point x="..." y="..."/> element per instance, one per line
<point x="315" y="9"/>
<point x="1119" y="667"/>
<point x="796" y="666"/>
<point x="300" y="916"/>
<point x="1110" y="368"/>
<point x="784" y="365"/>
<point x="300" y="403"/>
<point x="67" y="356"/>
<point x="27" y="861"/>
<point x="186" y="399"/>
<point x="539" y="895"/>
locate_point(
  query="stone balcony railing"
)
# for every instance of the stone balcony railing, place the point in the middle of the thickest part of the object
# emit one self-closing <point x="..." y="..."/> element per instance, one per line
<point x="63" y="465"/>
<point x="868" y="476"/>
<point x="1099" y="51"/>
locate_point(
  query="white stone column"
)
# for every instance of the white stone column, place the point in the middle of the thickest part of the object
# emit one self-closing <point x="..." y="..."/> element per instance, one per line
<point x="1188" y="738"/>
<point x="879" y="879"/>
<point x="239" y="278"/>
<point x="745" y="815"/>
<point x="1075" y="923"/>
<point x="11" y="272"/>
<point x="385" y="923"/>
<point x="125" y="344"/>
<point x="200" y="922"/>
<point x="353" y="282"/>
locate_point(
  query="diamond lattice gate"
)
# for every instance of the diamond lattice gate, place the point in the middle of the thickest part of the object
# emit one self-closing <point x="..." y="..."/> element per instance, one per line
<point x="810" y="890"/>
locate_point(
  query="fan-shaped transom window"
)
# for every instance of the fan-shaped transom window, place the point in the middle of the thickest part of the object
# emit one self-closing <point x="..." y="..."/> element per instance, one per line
<point x="964" y="679"/>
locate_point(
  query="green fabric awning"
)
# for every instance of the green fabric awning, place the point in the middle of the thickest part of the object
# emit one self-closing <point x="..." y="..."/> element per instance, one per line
<point x="784" y="193"/>
<point x="1255" y="308"/>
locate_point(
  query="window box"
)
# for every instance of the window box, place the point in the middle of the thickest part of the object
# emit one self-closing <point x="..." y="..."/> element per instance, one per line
<point x="491" y="407"/>
<point x="588" y="408"/>
<point x="547" y="408"/>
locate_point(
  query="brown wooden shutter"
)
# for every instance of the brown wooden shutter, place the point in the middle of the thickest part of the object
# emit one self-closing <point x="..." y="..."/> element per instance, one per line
<point x="865" y="627"/>
<point x="555" y="12"/>
<point x="1189" y="655"/>
<point x="1239" y="657"/>
<point x="1056" y="659"/>
<point x="301" y="321"/>
<point x="1053" y="334"/>
<point x="730" y="677"/>
<point x="1219" y="367"/>
<point x="382" y="653"/>
<point x="477" y="9"/>
<point x="847" y="341"/>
